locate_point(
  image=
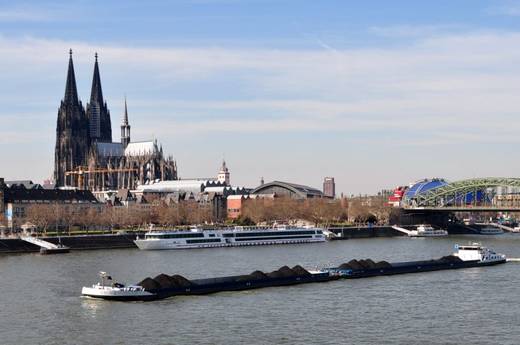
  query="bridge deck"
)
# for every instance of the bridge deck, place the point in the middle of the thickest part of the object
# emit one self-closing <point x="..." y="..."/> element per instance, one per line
<point x="464" y="209"/>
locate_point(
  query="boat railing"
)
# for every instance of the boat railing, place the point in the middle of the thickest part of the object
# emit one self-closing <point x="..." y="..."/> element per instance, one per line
<point x="229" y="228"/>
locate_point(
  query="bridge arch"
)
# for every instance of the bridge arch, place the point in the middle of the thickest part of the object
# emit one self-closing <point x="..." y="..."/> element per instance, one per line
<point x="453" y="191"/>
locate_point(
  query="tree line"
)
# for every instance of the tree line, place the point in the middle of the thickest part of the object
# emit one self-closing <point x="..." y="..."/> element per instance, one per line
<point x="57" y="217"/>
<point x="319" y="211"/>
<point x="323" y="212"/>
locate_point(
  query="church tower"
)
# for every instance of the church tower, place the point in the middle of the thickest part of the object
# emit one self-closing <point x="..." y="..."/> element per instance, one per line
<point x="72" y="132"/>
<point x="125" y="129"/>
<point x="223" y="175"/>
<point x="97" y="111"/>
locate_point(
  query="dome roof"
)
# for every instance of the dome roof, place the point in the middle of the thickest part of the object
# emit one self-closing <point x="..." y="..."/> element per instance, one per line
<point x="424" y="186"/>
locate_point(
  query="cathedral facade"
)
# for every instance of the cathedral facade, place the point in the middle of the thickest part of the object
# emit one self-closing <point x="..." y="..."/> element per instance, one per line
<point x="85" y="155"/>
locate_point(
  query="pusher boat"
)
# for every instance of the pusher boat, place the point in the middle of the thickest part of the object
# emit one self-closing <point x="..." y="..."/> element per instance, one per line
<point x="109" y="289"/>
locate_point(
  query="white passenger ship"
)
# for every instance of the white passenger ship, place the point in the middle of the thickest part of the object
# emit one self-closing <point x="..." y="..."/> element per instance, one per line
<point x="424" y="230"/>
<point x="230" y="237"/>
<point x="491" y="230"/>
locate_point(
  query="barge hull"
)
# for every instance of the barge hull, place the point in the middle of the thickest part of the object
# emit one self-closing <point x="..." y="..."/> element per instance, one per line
<point x="209" y="286"/>
<point x="235" y="283"/>
<point x="417" y="267"/>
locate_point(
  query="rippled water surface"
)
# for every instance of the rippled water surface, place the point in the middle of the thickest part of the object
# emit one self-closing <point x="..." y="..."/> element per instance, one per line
<point x="41" y="303"/>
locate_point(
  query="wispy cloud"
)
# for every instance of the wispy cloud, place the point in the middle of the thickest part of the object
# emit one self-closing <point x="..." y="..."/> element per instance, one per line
<point x="449" y="78"/>
<point x="417" y="31"/>
<point x="511" y="8"/>
<point x="443" y="89"/>
<point x="26" y="14"/>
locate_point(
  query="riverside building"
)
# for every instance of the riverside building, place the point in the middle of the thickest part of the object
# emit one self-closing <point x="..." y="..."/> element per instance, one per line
<point x="17" y="202"/>
<point x="329" y="187"/>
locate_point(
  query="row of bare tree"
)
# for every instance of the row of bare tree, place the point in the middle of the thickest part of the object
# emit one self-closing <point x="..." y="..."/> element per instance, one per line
<point x="318" y="211"/>
<point x="52" y="216"/>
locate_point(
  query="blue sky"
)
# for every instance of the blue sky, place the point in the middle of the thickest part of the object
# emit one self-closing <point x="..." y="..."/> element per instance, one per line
<point x="374" y="93"/>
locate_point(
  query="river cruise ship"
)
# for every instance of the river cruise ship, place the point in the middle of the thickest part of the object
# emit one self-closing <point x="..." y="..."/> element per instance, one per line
<point x="229" y="237"/>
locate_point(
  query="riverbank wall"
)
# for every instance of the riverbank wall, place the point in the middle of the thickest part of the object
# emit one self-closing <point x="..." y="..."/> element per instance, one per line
<point x="83" y="242"/>
<point x="126" y="240"/>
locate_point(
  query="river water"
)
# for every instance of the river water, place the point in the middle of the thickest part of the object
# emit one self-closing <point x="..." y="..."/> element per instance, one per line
<point x="41" y="303"/>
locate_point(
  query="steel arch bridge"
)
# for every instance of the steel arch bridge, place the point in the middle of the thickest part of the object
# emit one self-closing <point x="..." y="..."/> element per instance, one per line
<point x="446" y="195"/>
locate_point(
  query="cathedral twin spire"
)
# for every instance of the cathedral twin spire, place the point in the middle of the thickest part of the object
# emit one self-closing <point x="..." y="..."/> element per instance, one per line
<point x="72" y="132"/>
<point x="96" y="93"/>
<point x="97" y="111"/>
<point x="71" y="92"/>
<point x="77" y="129"/>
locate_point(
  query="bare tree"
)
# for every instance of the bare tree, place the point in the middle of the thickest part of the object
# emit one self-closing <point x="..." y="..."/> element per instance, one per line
<point x="41" y="215"/>
<point x="87" y="217"/>
<point x="3" y="219"/>
<point x="169" y="215"/>
<point x="113" y="217"/>
<point x="198" y="213"/>
<point x="258" y="210"/>
<point x="323" y="211"/>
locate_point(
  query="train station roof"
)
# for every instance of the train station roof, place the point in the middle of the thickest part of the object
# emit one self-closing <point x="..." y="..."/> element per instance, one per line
<point x="292" y="190"/>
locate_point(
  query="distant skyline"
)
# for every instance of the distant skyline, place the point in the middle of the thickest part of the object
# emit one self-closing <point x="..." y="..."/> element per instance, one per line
<point x="376" y="93"/>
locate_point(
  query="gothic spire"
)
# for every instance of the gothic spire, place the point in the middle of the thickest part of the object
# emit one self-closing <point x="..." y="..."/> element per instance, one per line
<point x="125" y="118"/>
<point x="72" y="133"/>
<point x="71" y="92"/>
<point x="96" y="94"/>
<point x="125" y="128"/>
<point x="97" y="111"/>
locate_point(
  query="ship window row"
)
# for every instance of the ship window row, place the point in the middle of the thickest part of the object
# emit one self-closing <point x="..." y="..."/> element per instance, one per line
<point x="207" y="240"/>
<point x="277" y="233"/>
<point x="272" y="238"/>
<point x="190" y="235"/>
<point x="249" y="234"/>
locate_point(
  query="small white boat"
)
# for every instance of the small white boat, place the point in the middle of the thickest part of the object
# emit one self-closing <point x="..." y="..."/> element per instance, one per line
<point x="425" y="230"/>
<point x="491" y="230"/>
<point x="109" y="289"/>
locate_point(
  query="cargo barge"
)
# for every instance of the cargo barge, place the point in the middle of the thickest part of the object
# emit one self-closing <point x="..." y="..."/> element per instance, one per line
<point x="164" y="286"/>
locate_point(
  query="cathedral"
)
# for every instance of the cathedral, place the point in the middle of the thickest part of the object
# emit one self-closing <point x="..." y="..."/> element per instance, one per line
<point x="86" y="157"/>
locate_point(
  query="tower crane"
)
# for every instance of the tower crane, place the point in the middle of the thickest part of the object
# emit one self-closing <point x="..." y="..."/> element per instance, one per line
<point x="81" y="171"/>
